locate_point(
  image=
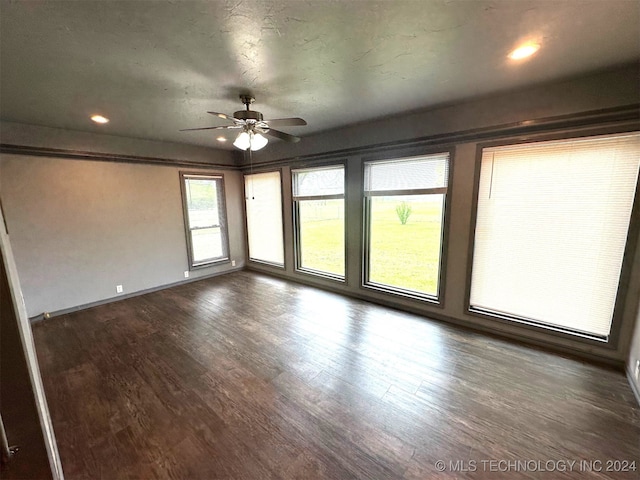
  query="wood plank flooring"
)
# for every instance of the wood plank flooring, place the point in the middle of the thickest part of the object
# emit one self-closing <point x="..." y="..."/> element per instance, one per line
<point x="245" y="376"/>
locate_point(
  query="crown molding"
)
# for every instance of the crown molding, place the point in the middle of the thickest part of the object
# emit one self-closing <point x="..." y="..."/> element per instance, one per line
<point x="107" y="157"/>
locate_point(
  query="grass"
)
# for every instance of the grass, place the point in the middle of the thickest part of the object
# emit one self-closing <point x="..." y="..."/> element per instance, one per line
<point x="403" y="256"/>
<point x="322" y="235"/>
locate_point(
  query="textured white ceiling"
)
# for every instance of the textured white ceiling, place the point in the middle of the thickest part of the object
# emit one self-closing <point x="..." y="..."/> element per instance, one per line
<point x="154" y="67"/>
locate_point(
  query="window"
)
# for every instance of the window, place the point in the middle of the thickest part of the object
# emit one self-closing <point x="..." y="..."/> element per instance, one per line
<point x="263" y="199"/>
<point x="318" y="195"/>
<point x="551" y="227"/>
<point x="404" y="218"/>
<point x="205" y="219"/>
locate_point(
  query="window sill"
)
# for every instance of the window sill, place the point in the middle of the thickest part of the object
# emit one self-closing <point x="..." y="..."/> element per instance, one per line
<point x="325" y="275"/>
<point x="210" y="263"/>
<point x="408" y="294"/>
<point x="542" y="327"/>
<point x="267" y="264"/>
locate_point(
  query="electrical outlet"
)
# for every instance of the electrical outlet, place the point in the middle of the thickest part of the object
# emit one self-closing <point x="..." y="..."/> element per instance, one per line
<point x="186" y="274"/>
<point x="233" y="263"/>
<point x="637" y="370"/>
<point x="118" y="288"/>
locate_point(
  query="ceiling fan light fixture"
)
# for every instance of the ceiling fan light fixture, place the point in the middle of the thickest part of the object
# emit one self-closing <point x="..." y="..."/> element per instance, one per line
<point x="243" y="141"/>
<point x="254" y="129"/>
<point x="252" y="140"/>
<point x="258" y="141"/>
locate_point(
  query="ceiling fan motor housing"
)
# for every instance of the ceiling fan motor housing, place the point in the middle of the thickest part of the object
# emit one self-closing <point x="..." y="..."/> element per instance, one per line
<point x="248" y="115"/>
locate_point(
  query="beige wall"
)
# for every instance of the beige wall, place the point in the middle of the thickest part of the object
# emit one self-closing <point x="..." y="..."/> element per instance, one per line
<point x="79" y="228"/>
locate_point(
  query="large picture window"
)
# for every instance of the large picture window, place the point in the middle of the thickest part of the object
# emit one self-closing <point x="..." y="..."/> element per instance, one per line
<point x="318" y="195"/>
<point x="205" y="219"/>
<point x="551" y="229"/>
<point x="404" y="218"/>
<point x="263" y="200"/>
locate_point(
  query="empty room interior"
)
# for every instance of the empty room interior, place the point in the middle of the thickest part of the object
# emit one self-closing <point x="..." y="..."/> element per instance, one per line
<point x="320" y="240"/>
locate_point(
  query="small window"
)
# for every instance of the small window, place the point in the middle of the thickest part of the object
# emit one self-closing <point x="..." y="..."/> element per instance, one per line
<point x="263" y="199"/>
<point x="205" y="219"/>
<point x="404" y="223"/>
<point x="318" y="196"/>
<point x="551" y="228"/>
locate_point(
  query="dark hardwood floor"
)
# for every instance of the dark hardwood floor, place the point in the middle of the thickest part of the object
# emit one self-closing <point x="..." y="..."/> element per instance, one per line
<point x="245" y="376"/>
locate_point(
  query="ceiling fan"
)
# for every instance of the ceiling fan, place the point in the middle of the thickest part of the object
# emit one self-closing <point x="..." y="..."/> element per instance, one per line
<point x="253" y="127"/>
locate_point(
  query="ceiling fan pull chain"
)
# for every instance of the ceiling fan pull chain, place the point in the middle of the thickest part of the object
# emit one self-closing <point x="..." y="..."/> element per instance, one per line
<point x="251" y="172"/>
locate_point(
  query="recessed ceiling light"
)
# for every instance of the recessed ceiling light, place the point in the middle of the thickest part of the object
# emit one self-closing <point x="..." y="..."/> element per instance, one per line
<point x="524" y="51"/>
<point x="221" y="139"/>
<point x="99" y="119"/>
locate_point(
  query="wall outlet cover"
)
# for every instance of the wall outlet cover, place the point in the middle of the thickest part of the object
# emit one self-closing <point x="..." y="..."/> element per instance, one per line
<point x="233" y="263"/>
<point x="186" y="274"/>
<point x="118" y="288"/>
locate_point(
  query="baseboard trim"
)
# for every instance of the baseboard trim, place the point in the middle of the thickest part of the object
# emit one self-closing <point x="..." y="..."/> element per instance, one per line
<point x="85" y="306"/>
<point x="573" y="353"/>
<point x="632" y="384"/>
<point x="459" y="323"/>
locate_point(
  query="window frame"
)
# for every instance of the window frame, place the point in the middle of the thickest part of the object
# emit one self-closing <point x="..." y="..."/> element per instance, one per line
<point x="633" y="235"/>
<point x="246" y="221"/>
<point x="222" y="217"/>
<point x="438" y="299"/>
<point x="295" y="205"/>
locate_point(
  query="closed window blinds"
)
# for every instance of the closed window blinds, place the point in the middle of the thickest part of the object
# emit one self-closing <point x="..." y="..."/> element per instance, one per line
<point x="551" y="229"/>
<point x="263" y="199"/>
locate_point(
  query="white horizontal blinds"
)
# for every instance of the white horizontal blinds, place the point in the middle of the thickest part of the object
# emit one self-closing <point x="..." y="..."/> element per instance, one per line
<point x="264" y="217"/>
<point x="415" y="173"/>
<point x="318" y="182"/>
<point x="551" y="229"/>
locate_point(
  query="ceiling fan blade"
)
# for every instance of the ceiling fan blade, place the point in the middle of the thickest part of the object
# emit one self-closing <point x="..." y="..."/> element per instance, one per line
<point x="281" y="135"/>
<point x="285" y="122"/>
<point x="225" y="116"/>
<point x="209" y="128"/>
